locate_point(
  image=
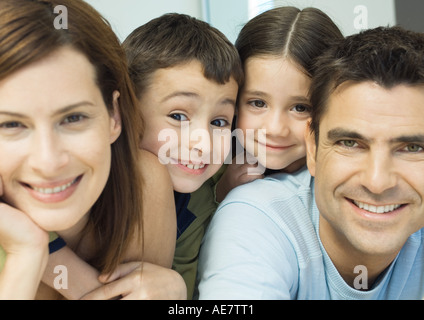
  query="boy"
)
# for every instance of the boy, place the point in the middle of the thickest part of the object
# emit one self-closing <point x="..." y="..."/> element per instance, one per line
<point x="186" y="74"/>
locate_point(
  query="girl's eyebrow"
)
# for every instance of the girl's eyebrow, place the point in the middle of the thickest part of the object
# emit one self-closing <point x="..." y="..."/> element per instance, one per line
<point x="265" y="95"/>
<point x="60" y="111"/>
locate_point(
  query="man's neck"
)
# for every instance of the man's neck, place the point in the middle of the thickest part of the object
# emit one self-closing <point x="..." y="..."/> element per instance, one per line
<point x="350" y="262"/>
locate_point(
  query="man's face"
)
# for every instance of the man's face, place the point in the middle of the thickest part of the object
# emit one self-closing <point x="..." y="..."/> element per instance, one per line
<point x="369" y="168"/>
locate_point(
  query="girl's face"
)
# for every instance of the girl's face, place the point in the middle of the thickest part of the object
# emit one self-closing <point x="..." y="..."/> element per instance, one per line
<point x="55" y="139"/>
<point x="274" y="98"/>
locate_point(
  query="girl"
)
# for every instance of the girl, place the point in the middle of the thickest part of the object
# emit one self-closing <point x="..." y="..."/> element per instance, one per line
<point x="277" y="49"/>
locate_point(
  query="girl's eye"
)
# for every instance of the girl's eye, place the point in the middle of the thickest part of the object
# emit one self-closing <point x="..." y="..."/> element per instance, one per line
<point x="219" y="123"/>
<point x="300" y="108"/>
<point x="178" y="117"/>
<point x="257" y="103"/>
<point x="73" y="118"/>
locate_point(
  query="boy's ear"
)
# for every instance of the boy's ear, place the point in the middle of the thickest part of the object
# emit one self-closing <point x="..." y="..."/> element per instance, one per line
<point x="310" y="149"/>
<point x="115" y="119"/>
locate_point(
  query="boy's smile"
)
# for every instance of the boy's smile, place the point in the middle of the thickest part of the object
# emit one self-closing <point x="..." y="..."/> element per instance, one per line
<point x="188" y="123"/>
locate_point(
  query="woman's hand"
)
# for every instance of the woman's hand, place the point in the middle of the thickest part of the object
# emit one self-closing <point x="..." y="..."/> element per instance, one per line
<point x="26" y="246"/>
<point x="140" y="281"/>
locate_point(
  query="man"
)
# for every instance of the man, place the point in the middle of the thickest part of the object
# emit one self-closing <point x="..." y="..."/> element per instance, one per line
<point x="349" y="227"/>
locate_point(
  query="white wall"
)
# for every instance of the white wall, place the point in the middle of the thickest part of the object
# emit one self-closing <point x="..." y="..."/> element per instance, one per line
<point x="230" y="15"/>
<point x="126" y="15"/>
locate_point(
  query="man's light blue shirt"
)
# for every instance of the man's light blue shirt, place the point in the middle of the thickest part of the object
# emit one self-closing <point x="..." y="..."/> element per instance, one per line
<point x="263" y="243"/>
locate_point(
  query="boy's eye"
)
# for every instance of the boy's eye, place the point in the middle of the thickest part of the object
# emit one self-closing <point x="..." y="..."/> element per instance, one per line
<point x="219" y="123"/>
<point x="178" y="117"/>
<point x="300" y="108"/>
<point x="257" y="103"/>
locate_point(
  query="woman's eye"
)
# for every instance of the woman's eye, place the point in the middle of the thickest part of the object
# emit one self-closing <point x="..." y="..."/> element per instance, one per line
<point x="11" y="125"/>
<point x="257" y="103"/>
<point x="178" y="117"/>
<point x="73" y="118"/>
<point x="219" y="123"/>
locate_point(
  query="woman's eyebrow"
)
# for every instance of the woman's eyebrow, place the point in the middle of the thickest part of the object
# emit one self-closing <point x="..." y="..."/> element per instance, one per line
<point x="60" y="111"/>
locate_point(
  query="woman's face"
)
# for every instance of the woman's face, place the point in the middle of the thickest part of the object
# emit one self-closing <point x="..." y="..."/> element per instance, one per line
<point x="55" y="139"/>
<point x="274" y="98"/>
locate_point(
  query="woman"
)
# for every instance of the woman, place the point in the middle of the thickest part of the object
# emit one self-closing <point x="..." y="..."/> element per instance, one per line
<point x="70" y="129"/>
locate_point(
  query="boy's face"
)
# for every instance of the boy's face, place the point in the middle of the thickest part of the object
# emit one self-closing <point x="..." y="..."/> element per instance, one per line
<point x="188" y="123"/>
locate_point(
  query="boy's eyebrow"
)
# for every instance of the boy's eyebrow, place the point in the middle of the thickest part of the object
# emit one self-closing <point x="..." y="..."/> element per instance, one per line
<point x="229" y="101"/>
<point x="195" y="96"/>
<point x="180" y="94"/>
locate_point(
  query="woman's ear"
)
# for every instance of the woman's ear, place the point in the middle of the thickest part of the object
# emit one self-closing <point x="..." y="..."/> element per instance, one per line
<point x="115" y="119"/>
<point x="310" y="149"/>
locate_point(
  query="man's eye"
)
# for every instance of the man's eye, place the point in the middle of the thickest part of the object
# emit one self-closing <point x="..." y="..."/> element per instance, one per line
<point x="348" y="143"/>
<point x="413" y="148"/>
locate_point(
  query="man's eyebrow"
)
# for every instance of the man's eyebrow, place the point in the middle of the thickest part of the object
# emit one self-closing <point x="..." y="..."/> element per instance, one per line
<point x="417" y="138"/>
<point x="340" y="133"/>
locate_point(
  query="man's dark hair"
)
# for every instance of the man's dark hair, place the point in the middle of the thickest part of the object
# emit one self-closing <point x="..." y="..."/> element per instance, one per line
<point x="387" y="56"/>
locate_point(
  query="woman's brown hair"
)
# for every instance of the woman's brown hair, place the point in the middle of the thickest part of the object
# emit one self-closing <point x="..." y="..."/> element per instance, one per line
<point x="28" y="34"/>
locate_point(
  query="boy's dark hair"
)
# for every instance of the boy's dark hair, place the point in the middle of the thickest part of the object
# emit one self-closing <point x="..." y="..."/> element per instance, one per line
<point x="387" y="56"/>
<point x="175" y="39"/>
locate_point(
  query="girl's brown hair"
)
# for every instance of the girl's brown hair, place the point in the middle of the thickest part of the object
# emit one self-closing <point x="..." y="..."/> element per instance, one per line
<point x="299" y="35"/>
<point x="28" y="34"/>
